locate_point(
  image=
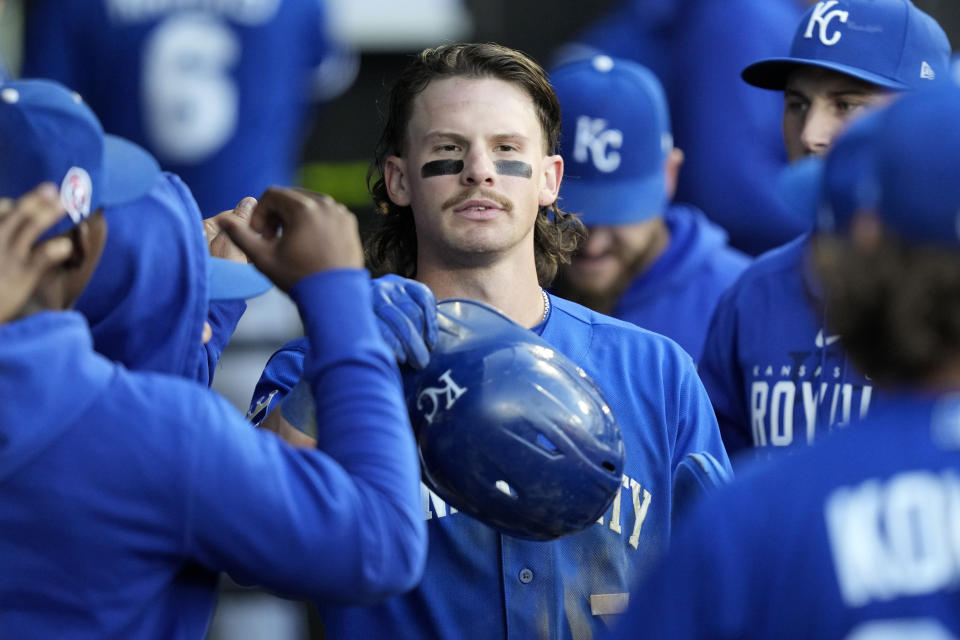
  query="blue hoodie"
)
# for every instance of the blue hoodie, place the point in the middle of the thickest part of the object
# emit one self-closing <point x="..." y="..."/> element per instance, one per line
<point x="730" y="132"/>
<point x="775" y="375"/>
<point x="853" y="538"/>
<point x="125" y="493"/>
<point x="147" y="300"/>
<point x="676" y="296"/>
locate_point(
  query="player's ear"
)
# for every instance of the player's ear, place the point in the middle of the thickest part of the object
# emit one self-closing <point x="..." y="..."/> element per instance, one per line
<point x="671" y="170"/>
<point x="550" y="179"/>
<point x="395" y="179"/>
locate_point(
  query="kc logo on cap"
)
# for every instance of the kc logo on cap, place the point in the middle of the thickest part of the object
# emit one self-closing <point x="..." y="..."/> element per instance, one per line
<point x="822" y="19"/>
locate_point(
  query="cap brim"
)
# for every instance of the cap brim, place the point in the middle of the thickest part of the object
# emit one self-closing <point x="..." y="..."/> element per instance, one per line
<point x="614" y="202"/>
<point x="798" y="188"/>
<point x="774" y="72"/>
<point x="229" y="280"/>
<point x="129" y="172"/>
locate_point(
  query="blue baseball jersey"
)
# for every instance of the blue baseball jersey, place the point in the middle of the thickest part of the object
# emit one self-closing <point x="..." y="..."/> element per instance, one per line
<point x="147" y="299"/>
<point x="219" y="92"/>
<point x="125" y="493"/>
<point x="853" y="538"/>
<point x="481" y="584"/>
<point x="730" y="132"/>
<point x="776" y="376"/>
<point x="676" y="296"/>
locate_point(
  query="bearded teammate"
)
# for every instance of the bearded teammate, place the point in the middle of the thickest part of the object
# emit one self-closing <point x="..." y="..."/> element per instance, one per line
<point x="777" y="377"/>
<point x="865" y="546"/>
<point x="729" y="133"/>
<point x="659" y="265"/>
<point x="219" y="92"/>
<point x="468" y="185"/>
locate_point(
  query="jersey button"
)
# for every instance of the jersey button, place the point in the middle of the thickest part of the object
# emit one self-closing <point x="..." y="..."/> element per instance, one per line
<point x="526" y="576"/>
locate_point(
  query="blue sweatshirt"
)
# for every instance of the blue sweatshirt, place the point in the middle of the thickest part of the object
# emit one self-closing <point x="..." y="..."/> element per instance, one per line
<point x="676" y="296"/>
<point x="853" y="538"/>
<point x="147" y="300"/>
<point x="776" y="376"/>
<point x="481" y="584"/>
<point x="125" y="493"/>
<point x="730" y="132"/>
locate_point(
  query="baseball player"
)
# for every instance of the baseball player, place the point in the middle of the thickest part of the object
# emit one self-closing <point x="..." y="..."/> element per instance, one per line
<point x="659" y="266"/>
<point x="777" y="377"/>
<point x="219" y="92"/>
<point x="729" y="133"/>
<point x="865" y="546"/>
<point x="124" y="494"/>
<point x="467" y="177"/>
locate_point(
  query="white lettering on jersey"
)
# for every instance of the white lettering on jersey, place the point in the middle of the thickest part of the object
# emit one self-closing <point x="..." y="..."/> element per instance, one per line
<point x="595" y="142"/>
<point x="899" y="628"/>
<point x="450" y="390"/>
<point x="772" y="413"/>
<point x="247" y="12"/>
<point x="822" y="19"/>
<point x="895" y="538"/>
<point x="435" y="507"/>
<point x="433" y="501"/>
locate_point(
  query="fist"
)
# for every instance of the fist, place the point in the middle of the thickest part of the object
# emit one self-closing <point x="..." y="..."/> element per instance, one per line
<point x="293" y="234"/>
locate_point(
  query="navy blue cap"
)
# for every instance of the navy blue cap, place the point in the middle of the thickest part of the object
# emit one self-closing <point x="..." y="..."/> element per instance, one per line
<point x="917" y="152"/>
<point x="615" y="138"/>
<point x="889" y="43"/>
<point x="48" y="134"/>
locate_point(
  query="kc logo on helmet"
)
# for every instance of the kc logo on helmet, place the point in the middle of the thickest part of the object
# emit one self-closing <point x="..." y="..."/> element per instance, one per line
<point x="450" y="390"/>
<point x="593" y="140"/>
<point x="822" y="17"/>
<point x="76" y="191"/>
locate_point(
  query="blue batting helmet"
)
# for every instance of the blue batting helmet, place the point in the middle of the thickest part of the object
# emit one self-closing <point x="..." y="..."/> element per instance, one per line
<point x="510" y="431"/>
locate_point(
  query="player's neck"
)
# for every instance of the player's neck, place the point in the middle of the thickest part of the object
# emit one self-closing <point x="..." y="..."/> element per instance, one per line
<point x="509" y="285"/>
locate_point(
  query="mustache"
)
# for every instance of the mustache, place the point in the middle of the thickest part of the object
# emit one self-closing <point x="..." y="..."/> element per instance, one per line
<point x="478" y="194"/>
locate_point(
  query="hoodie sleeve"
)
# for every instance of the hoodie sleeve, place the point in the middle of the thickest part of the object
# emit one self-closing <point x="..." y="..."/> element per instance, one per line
<point x="341" y="523"/>
<point x="223" y="316"/>
<point x="282" y="372"/>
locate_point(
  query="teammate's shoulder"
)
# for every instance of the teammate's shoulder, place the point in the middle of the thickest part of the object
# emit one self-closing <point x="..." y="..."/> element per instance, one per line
<point x="774" y="264"/>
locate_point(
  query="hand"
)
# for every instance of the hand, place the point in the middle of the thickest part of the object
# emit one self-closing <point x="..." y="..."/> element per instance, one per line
<point x="218" y="242"/>
<point x="299" y="235"/>
<point x="407" y="314"/>
<point x="22" y="261"/>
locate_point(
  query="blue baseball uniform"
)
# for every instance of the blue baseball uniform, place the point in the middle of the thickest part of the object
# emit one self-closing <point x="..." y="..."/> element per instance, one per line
<point x="147" y="300"/>
<point x="125" y="493"/>
<point x="776" y="376"/>
<point x="676" y="296"/>
<point x="480" y="584"/>
<point x="863" y="547"/>
<point x="730" y="132"/>
<point x="219" y="92"/>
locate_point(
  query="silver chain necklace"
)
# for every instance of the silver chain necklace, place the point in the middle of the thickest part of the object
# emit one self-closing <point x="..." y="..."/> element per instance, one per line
<point x="546" y="305"/>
